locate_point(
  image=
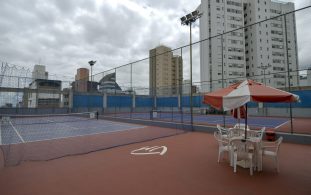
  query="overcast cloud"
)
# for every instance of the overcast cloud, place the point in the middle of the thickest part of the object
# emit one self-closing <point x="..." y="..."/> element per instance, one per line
<point x="65" y="34"/>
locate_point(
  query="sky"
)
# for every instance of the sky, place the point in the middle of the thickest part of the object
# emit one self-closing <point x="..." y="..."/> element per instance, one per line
<point x="64" y="35"/>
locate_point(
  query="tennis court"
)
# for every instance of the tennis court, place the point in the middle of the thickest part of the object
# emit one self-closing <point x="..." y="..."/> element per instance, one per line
<point x="47" y="137"/>
<point x="268" y="122"/>
<point x="21" y="129"/>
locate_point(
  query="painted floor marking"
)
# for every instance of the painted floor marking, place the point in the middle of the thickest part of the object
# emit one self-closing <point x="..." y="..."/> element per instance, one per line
<point x="147" y="150"/>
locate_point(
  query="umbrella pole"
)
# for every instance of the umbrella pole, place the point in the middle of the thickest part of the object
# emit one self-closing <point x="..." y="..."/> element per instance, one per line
<point x="291" y="118"/>
<point x="224" y="118"/>
<point x="245" y="132"/>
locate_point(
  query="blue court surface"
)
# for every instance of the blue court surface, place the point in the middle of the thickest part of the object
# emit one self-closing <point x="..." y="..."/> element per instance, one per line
<point x="269" y="122"/>
<point x="20" y="130"/>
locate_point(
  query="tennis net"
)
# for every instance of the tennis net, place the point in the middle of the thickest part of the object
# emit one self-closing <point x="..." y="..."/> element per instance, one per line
<point x="48" y="118"/>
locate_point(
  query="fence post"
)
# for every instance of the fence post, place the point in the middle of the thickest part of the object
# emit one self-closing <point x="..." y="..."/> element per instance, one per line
<point x="288" y="75"/>
<point x="222" y="75"/>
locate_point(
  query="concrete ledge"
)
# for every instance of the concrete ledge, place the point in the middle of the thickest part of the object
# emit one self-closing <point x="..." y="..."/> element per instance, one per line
<point x="295" y="138"/>
<point x="165" y="124"/>
<point x="287" y="137"/>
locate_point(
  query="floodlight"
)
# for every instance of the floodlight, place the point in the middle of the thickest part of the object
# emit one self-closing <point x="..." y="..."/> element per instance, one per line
<point x="92" y="62"/>
<point x="189" y="16"/>
<point x="195" y="13"/>
<point x="183" y="19"/>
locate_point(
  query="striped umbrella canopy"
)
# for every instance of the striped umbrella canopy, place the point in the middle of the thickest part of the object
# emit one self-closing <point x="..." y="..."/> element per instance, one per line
<point x="240" y="93"/>
<point x="237" y="95"/>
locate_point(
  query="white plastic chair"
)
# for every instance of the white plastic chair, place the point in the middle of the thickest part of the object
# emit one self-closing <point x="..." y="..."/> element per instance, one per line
<point x="241" y="126"/>
<point x="223" y="145"/>
<point x="256" y="134"/>
<point x="235" y="132"/>
<point x="223" y="131"/>
<point x="271" y="149"/>
<point x="243" y="150"/>
<point x="261" y="133"/>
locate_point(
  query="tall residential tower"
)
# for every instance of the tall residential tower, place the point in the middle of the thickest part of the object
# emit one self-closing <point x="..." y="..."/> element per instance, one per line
<point x="165" y="71"/>
<point x="266" y="53"/>
<point x="222" y="57"/>
<point x="258" y="52"/>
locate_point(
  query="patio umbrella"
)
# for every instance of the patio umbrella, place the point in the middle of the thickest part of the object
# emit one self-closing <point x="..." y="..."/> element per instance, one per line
<point x="239" y="94"/>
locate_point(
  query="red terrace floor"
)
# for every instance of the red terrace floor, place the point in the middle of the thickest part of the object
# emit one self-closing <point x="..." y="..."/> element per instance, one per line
<point x="189" y="167"/>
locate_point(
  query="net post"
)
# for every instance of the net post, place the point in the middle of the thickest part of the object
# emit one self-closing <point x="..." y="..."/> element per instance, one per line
<point x="0" y="130"/>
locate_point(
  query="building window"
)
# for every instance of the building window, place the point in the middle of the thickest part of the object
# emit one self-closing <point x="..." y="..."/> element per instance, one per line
<point x="276" y="25"/>
<point x="234" y="3"/>
<point x="234" y="11"/>
<point x="276" y="32"/>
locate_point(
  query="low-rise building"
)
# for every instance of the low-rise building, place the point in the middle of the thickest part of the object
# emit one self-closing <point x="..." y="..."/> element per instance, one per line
<point x="44" y="93"/>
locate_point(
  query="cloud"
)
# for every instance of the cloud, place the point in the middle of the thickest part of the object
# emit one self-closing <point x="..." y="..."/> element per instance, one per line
<point x="65" y="35"/>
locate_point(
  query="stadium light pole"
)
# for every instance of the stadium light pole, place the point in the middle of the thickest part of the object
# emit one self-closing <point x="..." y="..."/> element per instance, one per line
<point x="92" y="64"/>
<point x="188" y="20"/>
<point x="264" y="73"/>
<point x="265" y="82"/>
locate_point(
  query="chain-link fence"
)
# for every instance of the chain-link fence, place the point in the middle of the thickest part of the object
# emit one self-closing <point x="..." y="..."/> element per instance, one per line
<point x="269" y="50"/>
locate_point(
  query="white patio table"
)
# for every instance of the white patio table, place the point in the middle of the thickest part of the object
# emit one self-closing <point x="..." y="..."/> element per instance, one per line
<point x="234" y="134"/>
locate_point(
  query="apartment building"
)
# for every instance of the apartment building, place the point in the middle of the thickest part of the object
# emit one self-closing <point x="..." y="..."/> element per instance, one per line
<point x="47" y="94"/>
<point x="222" y="57"/>
<point x="257" y="52"/>
<point x="82" y="83"/>
<point x="165" y="71"/>
<point x="42" y="92"/>
<point x="39" y="72"/>
<point x="266" y="43"/>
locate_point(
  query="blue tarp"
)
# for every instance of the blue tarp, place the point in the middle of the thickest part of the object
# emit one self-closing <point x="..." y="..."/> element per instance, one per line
<point x="147" y="101"/>
<point x="87" y="101"/>
<point x="167" y="102"/>
<point x="144" y="101"/>
<point x="119" y="101"/>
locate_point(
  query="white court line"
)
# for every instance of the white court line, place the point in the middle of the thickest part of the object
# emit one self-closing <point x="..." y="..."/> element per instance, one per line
<point x="19" y="135"/>
<point x="54" y="122"/>
<point x="220" y="120"/>
<point x="106" y="123"/>
<point x="281" y="124"/>
<point x="103" y="132"/>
